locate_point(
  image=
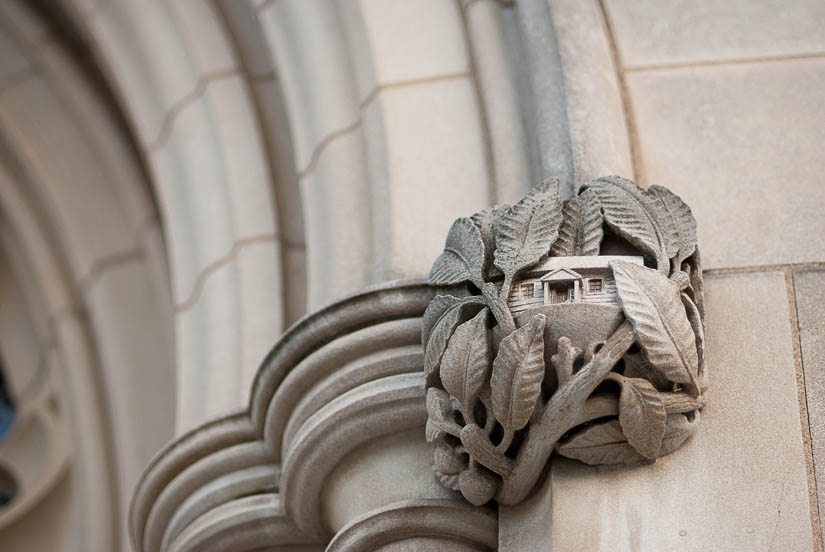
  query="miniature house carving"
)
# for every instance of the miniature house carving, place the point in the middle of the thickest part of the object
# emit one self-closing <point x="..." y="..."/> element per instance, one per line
<point x="515" y="365"/>
<point x="587" y="279"/>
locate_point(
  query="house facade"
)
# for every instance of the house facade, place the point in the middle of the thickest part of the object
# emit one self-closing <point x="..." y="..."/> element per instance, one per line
<point x="561" y="280"/>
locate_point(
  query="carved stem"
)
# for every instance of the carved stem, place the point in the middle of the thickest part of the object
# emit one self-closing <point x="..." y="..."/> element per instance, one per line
<point x="506" y="441"/>
<point x="681" y="402"/>
<point x="603" y="405"/>
<point x="499" y="308"/>
<point x="562" y="413"/>
<point x="490" y="420"/>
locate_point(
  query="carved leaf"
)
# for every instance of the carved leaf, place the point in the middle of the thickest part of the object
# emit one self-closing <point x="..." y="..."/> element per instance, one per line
<point x="605" y="443"/>
<point x="447" y="460"/>
<point x="679" y="429"/>
<point x="602" y="443"/>
<point x="695" y="320"/>
<point x="651" y="303"/>
<point x="440" y="411"/>
<point x="677" y="221"/>
<point x="527" y="230"/>
<point x="463" y="256"/>
<point x="432" y="432"/>
<point x="626" y="212"/>
<point x="580" y="232"/>
<point x="449" y="481"/>
<point x="637" y="366"/>
<point x="442" y="329"/>
<point x="435" y="310"/>
<point x="465" y="366"/>
<point x="486" y="221"/>
<point x="477" y="443"/>
<point x="697" y="284"/>
<point x="642" y="416"/>
<point x="518" y="371"/>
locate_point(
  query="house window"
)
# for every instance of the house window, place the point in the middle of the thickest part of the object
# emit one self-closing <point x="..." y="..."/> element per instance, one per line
<point x="594" y="286"/>
<point x="527" y="290"/>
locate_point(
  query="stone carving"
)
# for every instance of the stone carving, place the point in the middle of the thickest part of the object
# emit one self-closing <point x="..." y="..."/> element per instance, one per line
<point x="578" y="329"/>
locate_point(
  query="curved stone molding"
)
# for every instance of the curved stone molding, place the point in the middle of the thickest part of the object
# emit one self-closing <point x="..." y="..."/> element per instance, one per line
<point x="242" y="524"/>
<point x="37" y="456"/>
<point x="369" y="411"/>
<point x="443" y="524"/>
<point x="584" y="337"/>
<point x="341" y="378"/>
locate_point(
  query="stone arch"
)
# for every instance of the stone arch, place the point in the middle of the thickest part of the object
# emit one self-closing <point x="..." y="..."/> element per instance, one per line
<point x="87" y="342"/>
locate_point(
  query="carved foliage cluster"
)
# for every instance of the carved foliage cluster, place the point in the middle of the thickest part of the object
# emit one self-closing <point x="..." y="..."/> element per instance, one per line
<point x="633" y="397"/>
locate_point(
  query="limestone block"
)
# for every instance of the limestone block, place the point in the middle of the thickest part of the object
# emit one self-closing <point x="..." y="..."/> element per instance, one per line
<point x="651" y="32"/>
<point x="204" y="32"/>
<point x="244" y="169"/>
<point x="337" y="221"/>
<point x="313" y="62"/>
<point x="433" y="170"/>
<point x="208" y="337"/>
<point x="598" y="133"/>
<point x="412" y="41"/>
<point x="726" y="150"/>
<point x="495" y="72"/>
<point x="260" y="299"/>
<point x="53" y="148"/>
<point x="194" y="199"/>
<point x="809" y="289"/>
<point x="152" y="65"/>
<point x="741" y="482"/>
<point x="137" y="366"/>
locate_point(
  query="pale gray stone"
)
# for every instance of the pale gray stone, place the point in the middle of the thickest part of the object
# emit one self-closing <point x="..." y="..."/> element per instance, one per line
<point x="512" y="370"/>
<point x="655" y="32"/>
<point x="741" y="482"/>
<point x="726" y="151"/>
<point x="809" y="287"/>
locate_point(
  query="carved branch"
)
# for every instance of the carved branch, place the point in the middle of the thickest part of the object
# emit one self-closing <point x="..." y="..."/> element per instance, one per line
<point x="564" y="359"/>
<point x="561" y="414"/>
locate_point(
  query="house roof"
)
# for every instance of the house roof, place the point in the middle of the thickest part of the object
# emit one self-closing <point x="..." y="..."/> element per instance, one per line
<point x="590" y="261"/>
<point x="561" y="275"/>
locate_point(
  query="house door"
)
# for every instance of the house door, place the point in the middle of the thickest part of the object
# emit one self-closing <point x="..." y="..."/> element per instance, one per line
<point x="559" y="294"/>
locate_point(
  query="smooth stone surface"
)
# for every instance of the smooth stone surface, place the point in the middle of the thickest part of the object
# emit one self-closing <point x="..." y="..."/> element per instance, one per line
<point x="809" y="287"/>
<point x="654" y="32"/>
<point x="386" y="470"/>
<point x="598" y="133"/>
<point x="495" y="67"/>
<point x="741" y="482"/>
<point x="426" y="161"/>
<point x="741" y="134"/>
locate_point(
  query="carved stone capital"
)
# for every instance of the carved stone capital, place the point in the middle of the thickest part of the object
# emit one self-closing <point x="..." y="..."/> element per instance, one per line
<point x="332" y="443"/>
<point x="580" y="332"/>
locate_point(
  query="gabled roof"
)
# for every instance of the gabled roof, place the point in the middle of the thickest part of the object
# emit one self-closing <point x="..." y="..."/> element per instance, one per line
<point x="590" y="261"/>
<point x="561" y="275"/>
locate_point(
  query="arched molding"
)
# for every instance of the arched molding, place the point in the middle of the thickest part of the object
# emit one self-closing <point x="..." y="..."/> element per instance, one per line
<point x="446" y="520"/>
<point x="81" y="236"/>
<point x="246" y="524"/>
<point x="377" y="408"/>
<point x="202" y="125"/>
<point x="335" y="409"/>
<point x="384" y="119"/>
